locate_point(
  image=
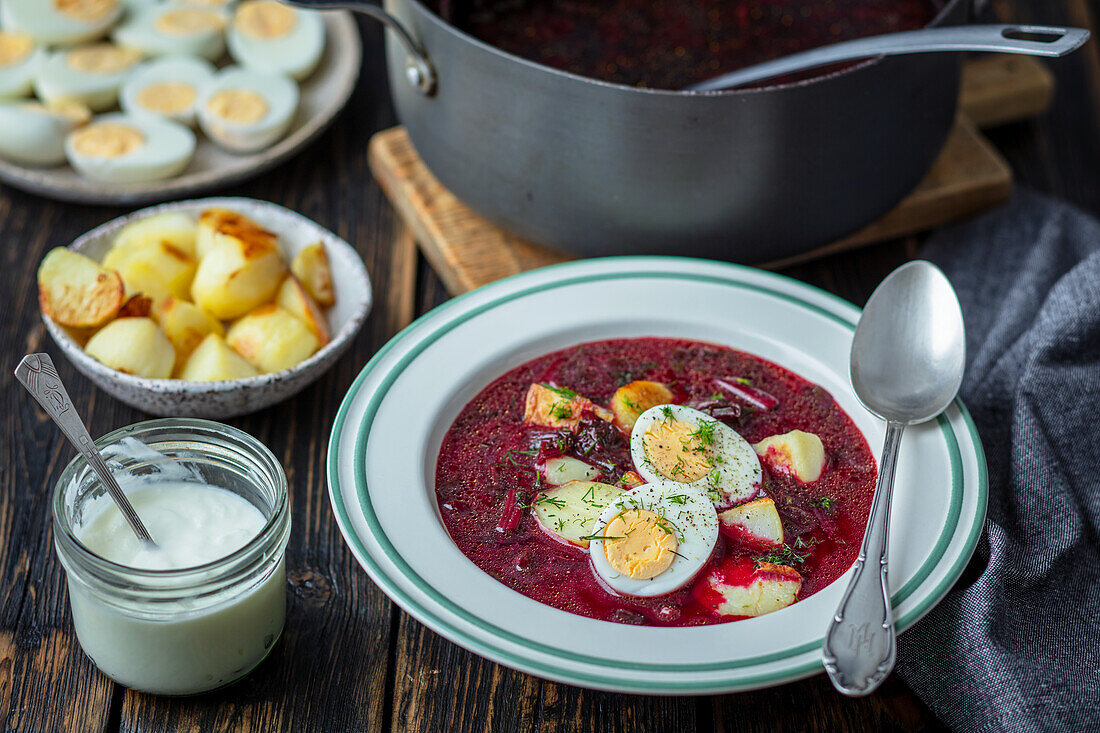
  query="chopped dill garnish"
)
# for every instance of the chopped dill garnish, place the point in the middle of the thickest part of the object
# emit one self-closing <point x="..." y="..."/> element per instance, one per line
<point x="601" y="537"/>
<point x="826" y="503"/>
<point x="551" y="500"/>
<point x="563" y="391"/>
<point x="795" y="553"/>
<point x="561" y="411"/>
<point x="677" y="499"/>
<point x="743" y="380"/>
<point x="704" y="432"/>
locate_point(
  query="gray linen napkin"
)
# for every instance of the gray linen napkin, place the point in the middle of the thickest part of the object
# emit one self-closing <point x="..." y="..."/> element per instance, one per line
<point x="1015" y="646"/>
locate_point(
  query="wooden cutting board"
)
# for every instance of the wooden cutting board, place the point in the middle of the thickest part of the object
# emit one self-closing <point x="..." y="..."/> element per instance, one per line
<point x="969" y="176"/>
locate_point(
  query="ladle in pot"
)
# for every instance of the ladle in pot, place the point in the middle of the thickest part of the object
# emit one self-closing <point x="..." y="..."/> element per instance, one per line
<point x="1030" y="40"/>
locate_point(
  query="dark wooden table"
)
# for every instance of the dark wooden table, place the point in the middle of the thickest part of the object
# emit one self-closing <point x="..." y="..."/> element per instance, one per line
<point x="350" y="660"/>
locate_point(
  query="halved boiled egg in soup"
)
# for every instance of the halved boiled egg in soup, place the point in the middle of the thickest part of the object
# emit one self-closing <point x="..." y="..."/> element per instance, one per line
<point x="681" y="444"/>
<point x="20" y="60"/>
<point x="168" y="87"/>
<point x="119" y="148"/>
<point x="172" y="29"/>
<point x="90" y="75"/>
<point x="653" y="539"/>
<point x="33" y="134"/>
<point x="244" y="110"/>
<point x="269" y="36"/>
<point x="60" y="22"/>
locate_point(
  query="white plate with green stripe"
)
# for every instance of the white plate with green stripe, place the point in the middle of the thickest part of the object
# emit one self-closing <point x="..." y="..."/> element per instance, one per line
<point x="382" y="456"/>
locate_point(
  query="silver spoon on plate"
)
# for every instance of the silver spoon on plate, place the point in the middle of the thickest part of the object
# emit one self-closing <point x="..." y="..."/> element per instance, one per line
<point x="37" y="373"/>
<point x="906" y="366"/>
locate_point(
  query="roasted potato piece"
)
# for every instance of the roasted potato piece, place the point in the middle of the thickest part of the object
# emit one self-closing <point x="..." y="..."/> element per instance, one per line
<point x="213" y="360"/>
<point x="76" y="291"/>
<point x="238" y="273"/>
<point x="133" y="346"/>
<point x="216" y="225"/>
<point x="311" y="267"/>
<point x="633" y="399"/>
<point x="136" y="306"/>
<point x="558" y="407"/>
<point x="186" y="325"/>
<point x="271" y="339"/>
<point x="157" y="269"/>
<point x="293" y="296"/>
<point x="172" y="227"/>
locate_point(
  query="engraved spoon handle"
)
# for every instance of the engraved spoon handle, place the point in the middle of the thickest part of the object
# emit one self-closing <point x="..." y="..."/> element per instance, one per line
<point x="36" y="372"/>
<point x="860" y="645"/>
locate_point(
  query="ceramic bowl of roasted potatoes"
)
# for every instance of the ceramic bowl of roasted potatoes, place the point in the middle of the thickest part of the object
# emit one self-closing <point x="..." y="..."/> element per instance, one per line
<point x="204" y="308"/>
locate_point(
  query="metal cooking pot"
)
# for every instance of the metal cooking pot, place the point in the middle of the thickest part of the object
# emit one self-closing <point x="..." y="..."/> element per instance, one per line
<point x="595" y="169"/>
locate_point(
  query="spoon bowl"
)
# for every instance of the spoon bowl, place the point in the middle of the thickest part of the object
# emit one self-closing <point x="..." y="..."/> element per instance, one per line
<point x="909" y="349"/>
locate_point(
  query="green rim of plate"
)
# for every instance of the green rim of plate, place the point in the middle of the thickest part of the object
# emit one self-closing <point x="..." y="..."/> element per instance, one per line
<point x="612" y="680"/>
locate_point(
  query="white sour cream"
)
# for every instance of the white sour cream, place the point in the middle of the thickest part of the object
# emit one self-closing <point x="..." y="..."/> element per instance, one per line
<point x="192" y="524"/>
<point x="188" y="638"/>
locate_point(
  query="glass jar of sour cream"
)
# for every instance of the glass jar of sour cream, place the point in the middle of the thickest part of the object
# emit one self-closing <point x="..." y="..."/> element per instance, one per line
<point x="205" y="607"/>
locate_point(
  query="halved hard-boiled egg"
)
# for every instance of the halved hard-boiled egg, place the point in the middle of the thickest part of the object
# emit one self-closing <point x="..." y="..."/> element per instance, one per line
<point x="168" y="87"/>
<point x="20" y="60"/>
<point x="681" y="444"/>
<point x="174" y="29"/>
<point x="90" y="75"/>
<point x="60" y="22"/>
<point x="269" y="36"/>
<point x="32" y="134"/>
<point x="653" y="539"/>
<point x="244" y="110"/>
<point x="119" y="148"/>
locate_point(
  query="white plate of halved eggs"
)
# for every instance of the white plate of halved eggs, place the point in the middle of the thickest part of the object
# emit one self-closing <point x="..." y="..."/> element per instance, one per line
<point x="130" y="101"/>
<point x="383" y="461"/>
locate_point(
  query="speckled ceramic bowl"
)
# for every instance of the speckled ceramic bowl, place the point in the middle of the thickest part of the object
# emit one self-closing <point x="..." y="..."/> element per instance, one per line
<point x="175" y="397"/>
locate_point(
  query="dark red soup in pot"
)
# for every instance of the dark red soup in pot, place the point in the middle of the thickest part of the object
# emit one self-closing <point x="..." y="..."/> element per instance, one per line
<point x="609" y="465"/>
<point x="669" y="44"/>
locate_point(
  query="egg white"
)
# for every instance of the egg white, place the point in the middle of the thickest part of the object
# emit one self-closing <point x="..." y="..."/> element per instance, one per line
<point x="295" y="54"/>
<point x="191" y="70"/>
<point x="57" y="81"/>
<point x="17" y="79"/>
<point x="279" y="92"/>
<point x="140" y="31"/>
<point x="33" y="135"/>
<point x="166" y="150"/>
<point x="694" y="520"/>
<point x="49" y="26"/>
<point x="738" y="472"/>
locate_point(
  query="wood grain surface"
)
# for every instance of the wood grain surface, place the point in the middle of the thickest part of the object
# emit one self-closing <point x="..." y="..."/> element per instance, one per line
<point x="349" y="660"/>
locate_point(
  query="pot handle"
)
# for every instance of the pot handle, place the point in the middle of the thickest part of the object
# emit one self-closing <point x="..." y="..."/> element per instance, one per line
<point x="418" y="67"/>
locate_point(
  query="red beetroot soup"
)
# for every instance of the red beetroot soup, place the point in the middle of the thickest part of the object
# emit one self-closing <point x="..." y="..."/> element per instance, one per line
<point x="491" y="476"/>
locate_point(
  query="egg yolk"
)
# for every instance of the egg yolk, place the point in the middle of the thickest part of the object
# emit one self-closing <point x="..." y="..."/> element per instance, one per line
<point x="14" y="47"/>
<point x="676" y="450"/>
<point x="187" y="21"/>
<point x="75" y="111"/>
<point x="86" y="10"/>
<point x="169" y="97"/>
<point x="238" y="105"/>
<point x="107" y="140"/>
<point x="265" y="19"/>
<point x="644" y="544"/>
<point x="102" y="58"/>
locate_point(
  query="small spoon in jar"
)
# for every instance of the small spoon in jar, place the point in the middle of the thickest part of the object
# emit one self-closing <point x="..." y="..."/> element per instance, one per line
<point x="37" y="373"/>
<point x="1031" y="40"/>
<point x="906" y="365"/>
